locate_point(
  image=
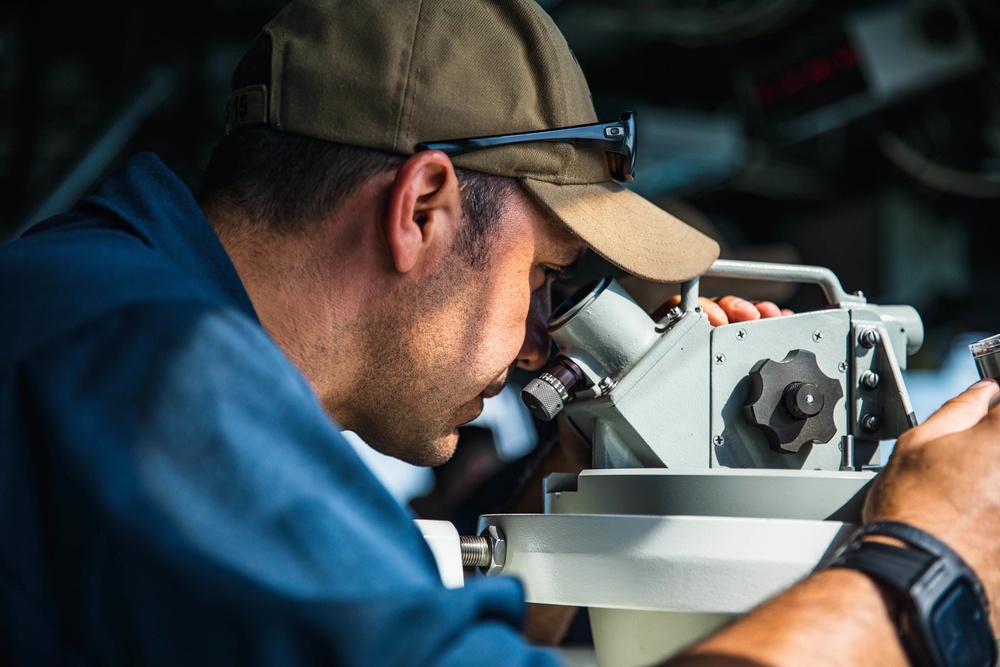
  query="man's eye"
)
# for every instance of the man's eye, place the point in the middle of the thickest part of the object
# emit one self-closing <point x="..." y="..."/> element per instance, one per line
<point x="553" y="272"/>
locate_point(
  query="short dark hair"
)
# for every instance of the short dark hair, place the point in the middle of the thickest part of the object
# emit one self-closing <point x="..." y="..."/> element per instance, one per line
<point x="289" y="181"/>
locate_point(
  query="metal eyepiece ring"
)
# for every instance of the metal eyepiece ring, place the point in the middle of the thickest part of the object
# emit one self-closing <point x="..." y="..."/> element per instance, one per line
<point x="986" y="354"/>
<point x="547" y="394"/>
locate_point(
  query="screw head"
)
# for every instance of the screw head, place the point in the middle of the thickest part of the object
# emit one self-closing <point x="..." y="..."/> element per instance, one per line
<point x="842" y="367"/>
<point x="870" y="423"/>
<point x="741" y="334"/>
<point x="869" y="380"/>
<point x="606" y="385"/>
<point x="719" y="440"/>
<point x="870" y="338"/>
<point x="720" y="359"/>
<point x="817" y="336"/>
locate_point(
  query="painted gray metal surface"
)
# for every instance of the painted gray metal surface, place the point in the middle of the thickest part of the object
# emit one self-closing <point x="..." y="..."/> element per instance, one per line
<point x="677" y="388"/>
<point x="772" y="494"/>
<point x="824" y="333"/>
<point x="695" y="564"/>
<point x="790" y="273"/>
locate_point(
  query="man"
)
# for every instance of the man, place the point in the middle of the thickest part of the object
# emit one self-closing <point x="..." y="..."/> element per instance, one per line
<point x="173" y="489"/>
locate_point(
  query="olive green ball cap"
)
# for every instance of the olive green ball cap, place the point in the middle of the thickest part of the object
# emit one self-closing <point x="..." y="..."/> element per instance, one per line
<point x="389" y="74"/>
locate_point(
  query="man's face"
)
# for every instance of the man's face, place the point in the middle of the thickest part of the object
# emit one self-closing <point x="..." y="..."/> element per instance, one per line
<point x="453" y="340"/>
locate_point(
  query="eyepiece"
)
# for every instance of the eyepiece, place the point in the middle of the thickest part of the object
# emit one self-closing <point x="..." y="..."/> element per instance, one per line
<point x="547" y="394"/>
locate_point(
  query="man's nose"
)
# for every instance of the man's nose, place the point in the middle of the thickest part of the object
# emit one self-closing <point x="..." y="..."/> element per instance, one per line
<point x="534" y="351"/>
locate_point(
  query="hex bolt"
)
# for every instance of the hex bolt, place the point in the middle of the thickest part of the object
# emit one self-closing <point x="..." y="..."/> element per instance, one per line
<point x="741" y="334"/>
<point x="606" y="385"/>
<point x="869" y="380"/>
<point x="870" y="338"/>
<point x="488" y="551"/>
<point x="817" y="336"/>
<point x="720" y="359"/>
<point x="719" y="440"/>
<point x="499" y="551"/>
<point x="870" y="423"/>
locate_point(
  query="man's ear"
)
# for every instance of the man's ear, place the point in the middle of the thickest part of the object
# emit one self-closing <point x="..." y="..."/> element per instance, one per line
<point x="425" y="209"/>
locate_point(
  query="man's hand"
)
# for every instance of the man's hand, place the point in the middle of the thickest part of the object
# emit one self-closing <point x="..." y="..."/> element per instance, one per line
<point x="944" y="476"/>
<point x="728" y="309"/>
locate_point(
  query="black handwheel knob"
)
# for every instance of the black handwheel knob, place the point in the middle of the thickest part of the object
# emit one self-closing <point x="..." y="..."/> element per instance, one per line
<point x="792" y="401"/>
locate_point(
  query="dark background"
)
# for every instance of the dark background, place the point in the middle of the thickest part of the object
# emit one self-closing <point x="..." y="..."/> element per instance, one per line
<point x="84" y="84"/>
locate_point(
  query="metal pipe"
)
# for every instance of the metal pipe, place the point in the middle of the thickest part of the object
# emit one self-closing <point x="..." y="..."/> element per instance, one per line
<point x="788" y="273"/>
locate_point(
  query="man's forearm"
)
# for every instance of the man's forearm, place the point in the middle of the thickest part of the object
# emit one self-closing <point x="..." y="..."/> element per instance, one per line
<point x="836" y="617"/>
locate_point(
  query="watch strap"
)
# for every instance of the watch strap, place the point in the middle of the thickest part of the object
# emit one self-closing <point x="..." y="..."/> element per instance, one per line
<point x="920" y="577"/>
<point x="897" y="567"/>
<point x="912" y="536"/>
<point x="927" y="543"/>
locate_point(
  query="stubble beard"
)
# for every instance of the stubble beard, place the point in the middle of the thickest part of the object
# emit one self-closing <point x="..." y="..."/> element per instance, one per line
<point x="409" y="405"/>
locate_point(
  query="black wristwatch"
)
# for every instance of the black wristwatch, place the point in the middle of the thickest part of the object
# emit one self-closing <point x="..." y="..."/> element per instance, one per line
<point x="944" y="617"/>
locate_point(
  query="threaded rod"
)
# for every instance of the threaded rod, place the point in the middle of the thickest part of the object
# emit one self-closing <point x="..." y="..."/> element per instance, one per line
<point x="475" y="551"/>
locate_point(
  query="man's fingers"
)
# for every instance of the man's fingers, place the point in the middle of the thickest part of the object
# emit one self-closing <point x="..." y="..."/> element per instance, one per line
<point x="739" y="310"/>
<point x="717" y="315"/>
<point x="960" y="413"/>
<point x="767" y="309"/>
<point x="727" y="309"/>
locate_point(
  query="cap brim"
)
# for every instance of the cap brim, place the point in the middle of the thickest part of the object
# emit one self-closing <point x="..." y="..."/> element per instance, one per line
<point x="627" y="230"/>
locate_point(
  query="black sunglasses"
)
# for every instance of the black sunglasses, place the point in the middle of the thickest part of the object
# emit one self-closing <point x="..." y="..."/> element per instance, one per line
<point x="616" y="139"/>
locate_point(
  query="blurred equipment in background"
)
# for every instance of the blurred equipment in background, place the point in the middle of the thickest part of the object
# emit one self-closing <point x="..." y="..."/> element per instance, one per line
<point x="816" y="128"/>
<point x="861" y="135"/>
<point x="869" y="60"/>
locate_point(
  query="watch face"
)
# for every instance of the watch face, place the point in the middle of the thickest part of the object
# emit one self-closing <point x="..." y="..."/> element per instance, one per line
<point x="960" y="629"/>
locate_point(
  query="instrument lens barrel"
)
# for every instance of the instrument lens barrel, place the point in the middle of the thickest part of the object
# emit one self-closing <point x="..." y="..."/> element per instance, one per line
<point x="986" y="354"/>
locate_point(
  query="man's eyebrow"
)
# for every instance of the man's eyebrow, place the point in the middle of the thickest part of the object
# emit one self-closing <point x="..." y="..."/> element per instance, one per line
<point x="573" y="260"/>
<point x="568" y="263"/>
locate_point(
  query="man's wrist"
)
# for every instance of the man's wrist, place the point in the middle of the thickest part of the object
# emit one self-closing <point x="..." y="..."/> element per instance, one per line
<point x="838" y="606"/>
<point x="941" y="611"/>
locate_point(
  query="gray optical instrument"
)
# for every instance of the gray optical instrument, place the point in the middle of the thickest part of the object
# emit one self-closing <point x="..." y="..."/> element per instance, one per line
<point x="771" y="393"/>
<point x="727" y="461"/>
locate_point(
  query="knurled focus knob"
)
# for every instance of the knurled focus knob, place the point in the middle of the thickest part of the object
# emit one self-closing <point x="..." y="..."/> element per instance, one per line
<point x="547" y="394"/>
<point x="792" y="401"/>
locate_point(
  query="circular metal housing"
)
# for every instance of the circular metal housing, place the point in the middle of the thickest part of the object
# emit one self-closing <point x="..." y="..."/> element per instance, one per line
<point x="986" y="354"/>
